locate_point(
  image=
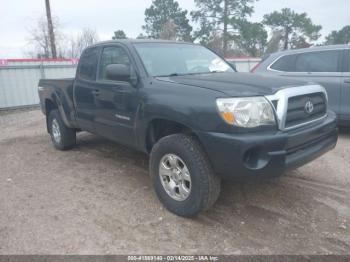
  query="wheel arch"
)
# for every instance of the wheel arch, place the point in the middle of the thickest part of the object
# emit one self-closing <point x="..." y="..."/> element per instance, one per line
<point x="158" y="128"/>
<point x="56" y="102"/>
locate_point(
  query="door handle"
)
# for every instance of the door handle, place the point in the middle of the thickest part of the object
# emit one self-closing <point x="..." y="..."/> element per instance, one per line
<point x="347" y="81"/>
<point x="96" y="92"/>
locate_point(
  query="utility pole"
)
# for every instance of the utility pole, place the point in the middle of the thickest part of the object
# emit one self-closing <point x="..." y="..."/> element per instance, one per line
<point x="50" y="27"/>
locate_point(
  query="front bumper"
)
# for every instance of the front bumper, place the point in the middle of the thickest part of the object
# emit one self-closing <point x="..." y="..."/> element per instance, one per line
<point x="268" y="154"/>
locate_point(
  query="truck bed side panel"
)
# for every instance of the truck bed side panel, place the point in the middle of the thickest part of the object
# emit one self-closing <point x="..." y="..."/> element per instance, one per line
<point x="60" y="93"/>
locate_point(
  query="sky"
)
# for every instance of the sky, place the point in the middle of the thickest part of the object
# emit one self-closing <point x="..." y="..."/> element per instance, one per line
<point x="17" y="17"/>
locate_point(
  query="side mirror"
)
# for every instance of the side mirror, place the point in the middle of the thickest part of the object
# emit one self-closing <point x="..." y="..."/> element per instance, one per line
<point x="118" y="72"/>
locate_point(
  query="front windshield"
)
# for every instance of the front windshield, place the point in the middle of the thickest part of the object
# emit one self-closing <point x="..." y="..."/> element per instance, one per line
<point x="165" y="59"/>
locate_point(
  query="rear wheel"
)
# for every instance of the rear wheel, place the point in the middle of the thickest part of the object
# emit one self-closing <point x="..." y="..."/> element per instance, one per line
<point x="182" y="176"/>
<point x="62" y="137"/>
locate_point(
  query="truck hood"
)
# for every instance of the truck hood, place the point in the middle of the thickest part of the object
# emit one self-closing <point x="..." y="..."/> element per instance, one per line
<point x="235" y="84"/>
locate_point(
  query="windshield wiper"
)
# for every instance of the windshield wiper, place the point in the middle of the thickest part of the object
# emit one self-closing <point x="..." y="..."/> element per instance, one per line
<point x="172" y="74"/>
<point x="194" y="73"/>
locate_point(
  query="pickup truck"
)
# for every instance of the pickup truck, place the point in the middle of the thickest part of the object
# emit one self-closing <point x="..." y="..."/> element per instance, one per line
<point x="198" y="119"/>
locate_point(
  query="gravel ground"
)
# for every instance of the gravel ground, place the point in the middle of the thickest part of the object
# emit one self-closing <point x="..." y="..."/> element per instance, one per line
<point x="98" y="199"/>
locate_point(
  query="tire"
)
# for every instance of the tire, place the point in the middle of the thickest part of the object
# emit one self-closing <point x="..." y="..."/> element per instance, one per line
<point x="66" y="138"/>
<point x="201" y="190"/>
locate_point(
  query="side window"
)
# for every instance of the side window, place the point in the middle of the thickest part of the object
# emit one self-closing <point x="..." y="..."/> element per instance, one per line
<point x="347" y="61"/>
<point x="284" y="64"/>
<point x="112" y="55"/>
<point x="324" y="61"/>
<point x="88" y="64"/>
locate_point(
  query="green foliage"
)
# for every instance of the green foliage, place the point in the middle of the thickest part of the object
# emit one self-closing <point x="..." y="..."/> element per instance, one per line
<point x="163" y="12"/>
<point x="293" y="25"/>
<point x="119" y="34"/>
<point x="141" y="36"/>
<point x="299" y="42"/>
<point x="252" y="38"/>
<point x="220" y="15"/>
<point x="339" y="37"/>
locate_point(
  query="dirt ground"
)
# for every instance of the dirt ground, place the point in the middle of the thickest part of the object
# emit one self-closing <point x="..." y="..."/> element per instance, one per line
<point x="98" y="199"/>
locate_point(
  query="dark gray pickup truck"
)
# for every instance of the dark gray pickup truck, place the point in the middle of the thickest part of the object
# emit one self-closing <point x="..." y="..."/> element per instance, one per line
<point x="199" y="120"/>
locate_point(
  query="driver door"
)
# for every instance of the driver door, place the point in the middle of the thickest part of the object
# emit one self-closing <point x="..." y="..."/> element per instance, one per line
<point x="115" y="101"/>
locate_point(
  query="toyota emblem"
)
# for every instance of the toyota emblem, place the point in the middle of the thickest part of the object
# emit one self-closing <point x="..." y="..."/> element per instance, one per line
<point x="309" y="107"/>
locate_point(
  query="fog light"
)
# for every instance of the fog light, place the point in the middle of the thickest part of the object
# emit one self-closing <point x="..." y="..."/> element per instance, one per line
<point x="256" y="158"/>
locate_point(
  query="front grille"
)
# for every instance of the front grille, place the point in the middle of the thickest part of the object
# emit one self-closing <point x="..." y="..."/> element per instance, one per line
<point x="296" y="112"/>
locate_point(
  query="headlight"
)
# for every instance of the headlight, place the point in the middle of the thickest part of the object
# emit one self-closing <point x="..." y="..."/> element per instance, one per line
<point x="246" y="111"/>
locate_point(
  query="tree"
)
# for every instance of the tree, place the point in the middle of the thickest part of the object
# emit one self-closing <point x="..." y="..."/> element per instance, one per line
<point x="339" y="37"/>
<point x="274" y="44"/>
<point x="165" y="13"/>
<point x="40" y="38"/>
<point x="77" y="44"/>
<point x="293" y="25"/>
<point x="252" y="38"/>
<point x="66" y="46"/>
<point x="51" y="32"/>
<point x="119" y="34"/>
<point x="141" y="36"/>
<point x="214" y="42"/>
<point x="220" y="15"/>
<point x="168" y="31"/>
<point x="299" y="42"/>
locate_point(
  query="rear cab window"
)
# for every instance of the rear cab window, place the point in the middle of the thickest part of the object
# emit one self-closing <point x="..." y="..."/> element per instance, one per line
<point x="88" y="64"/>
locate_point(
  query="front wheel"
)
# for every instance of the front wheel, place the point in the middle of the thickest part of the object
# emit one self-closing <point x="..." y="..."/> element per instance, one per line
<point x="182" y="175"/>
<point x="62" y="137"/>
